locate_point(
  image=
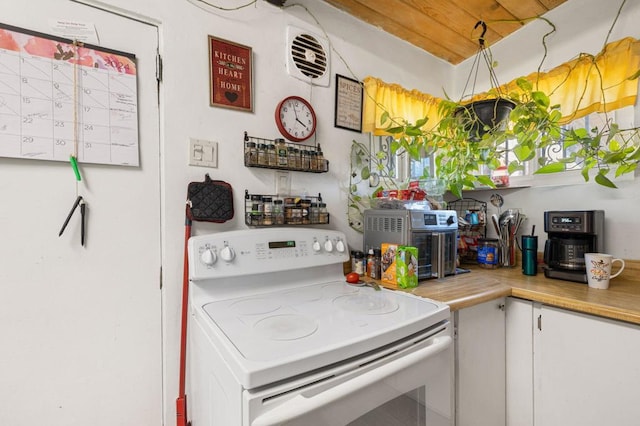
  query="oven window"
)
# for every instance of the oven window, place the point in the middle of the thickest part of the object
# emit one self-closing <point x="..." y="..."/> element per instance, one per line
<point x="405" y="410"/>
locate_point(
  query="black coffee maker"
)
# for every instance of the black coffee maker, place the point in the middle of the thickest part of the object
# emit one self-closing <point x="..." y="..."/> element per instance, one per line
<point x="571" y="234"/>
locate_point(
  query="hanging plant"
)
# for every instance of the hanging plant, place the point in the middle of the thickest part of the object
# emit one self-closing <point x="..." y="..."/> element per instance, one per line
<point x="464" y="140"/>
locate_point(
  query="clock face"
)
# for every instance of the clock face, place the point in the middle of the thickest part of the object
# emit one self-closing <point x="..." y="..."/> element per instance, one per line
<point x="295" y="119"/>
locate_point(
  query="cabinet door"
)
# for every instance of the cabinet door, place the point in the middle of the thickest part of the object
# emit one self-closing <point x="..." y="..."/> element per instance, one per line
<point x="586" y="370"/>
<point x="519" y="361"/>
<point x="480" y="365"/>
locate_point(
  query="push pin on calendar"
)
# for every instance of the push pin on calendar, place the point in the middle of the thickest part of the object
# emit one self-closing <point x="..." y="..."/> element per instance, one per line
<point x="74" y="166"/>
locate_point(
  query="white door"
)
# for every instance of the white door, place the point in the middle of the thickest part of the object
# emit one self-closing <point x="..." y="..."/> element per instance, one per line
<point x="80" y="327"/>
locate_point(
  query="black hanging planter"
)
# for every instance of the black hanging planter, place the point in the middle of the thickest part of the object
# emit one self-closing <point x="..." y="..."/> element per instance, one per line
<point x="482" y="116"/>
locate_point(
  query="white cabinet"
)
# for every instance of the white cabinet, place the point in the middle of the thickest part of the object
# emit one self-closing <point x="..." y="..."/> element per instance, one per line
<point x="574" y="369"/>
<point x="480" y="364"/>
<point x="519" y="361"/>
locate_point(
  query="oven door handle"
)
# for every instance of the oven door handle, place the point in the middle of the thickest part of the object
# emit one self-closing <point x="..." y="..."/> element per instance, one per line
<point x="300" y="405"/>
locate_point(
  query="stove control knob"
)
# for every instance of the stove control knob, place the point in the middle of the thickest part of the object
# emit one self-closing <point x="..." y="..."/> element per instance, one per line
<point x="208" y="257"/>
<point x="340" y="246"/>
<point x="328" y="246"/>
<point x="227" y="254"/>
<point x="316" y="246"/>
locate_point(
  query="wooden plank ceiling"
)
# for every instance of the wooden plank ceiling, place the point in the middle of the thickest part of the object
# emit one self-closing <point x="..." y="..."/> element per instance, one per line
<point x="445" y="28"/>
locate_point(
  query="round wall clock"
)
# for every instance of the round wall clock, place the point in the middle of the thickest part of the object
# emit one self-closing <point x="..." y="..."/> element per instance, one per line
<point x="295" y="119"/>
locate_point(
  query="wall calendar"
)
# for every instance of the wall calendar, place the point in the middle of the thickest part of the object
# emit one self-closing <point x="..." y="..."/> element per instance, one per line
<point x="59" y="98"/>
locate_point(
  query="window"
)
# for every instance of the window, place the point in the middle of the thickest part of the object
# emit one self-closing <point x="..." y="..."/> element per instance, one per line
<point x="623" y="117"/>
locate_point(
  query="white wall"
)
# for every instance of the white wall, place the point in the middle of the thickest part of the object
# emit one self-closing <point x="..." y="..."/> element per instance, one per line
<point x="582" y="26"/>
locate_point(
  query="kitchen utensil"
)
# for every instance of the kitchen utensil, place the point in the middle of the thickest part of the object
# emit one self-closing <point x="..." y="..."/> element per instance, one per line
<point x="497" y="201"/>
<point x="496" y="225"/>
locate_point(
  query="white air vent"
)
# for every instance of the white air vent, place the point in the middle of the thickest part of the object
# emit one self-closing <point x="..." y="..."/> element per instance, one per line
<point x="307" y="56"/>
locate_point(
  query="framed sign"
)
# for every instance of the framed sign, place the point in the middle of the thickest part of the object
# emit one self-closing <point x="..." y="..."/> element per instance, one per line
<point x="348" y="113"/>
<point x="230" y="76"/>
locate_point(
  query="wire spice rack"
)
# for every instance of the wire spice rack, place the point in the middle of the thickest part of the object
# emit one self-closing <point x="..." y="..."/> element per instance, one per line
<point x="284" y="210"/>
<point x="472" y="225"/>
<point x="282" y="155"/>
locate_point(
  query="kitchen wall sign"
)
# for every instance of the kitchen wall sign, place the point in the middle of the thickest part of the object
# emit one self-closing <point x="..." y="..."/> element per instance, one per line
<point x="348" y="108"/>
<point x="230" y="75"/>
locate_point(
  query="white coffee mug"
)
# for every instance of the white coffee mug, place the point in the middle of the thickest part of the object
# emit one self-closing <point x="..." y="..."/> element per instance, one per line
<point x="599" y="269"/>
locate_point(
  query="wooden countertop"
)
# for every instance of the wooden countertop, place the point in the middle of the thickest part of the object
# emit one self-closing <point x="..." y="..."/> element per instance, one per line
<point x="620" y="301"/>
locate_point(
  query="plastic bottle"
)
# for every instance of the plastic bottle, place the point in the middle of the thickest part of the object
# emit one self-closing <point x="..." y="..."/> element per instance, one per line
<point x="371" y="264"/>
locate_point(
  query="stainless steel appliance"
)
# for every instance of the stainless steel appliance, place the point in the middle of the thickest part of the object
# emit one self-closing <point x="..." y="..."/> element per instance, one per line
<point x="276" y="336"/>
<point x="433" y="232"/>
<point x="571" y="234"/>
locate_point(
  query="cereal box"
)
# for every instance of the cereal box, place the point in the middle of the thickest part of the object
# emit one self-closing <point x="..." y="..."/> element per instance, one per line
<point x="388" y="263"/>
<point x="407" y="267"/>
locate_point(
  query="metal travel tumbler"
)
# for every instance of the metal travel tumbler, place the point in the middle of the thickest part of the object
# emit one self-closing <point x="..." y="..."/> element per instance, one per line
<point x="529" y="254"/>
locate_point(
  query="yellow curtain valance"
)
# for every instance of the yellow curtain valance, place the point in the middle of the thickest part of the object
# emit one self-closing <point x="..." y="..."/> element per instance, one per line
<point x="411" y="105"/>
<point x="584" y="85"/>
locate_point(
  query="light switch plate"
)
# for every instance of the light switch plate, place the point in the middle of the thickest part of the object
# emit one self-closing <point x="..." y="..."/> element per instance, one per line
<point x="203" y="153"/>
<point x="283" y="182"/>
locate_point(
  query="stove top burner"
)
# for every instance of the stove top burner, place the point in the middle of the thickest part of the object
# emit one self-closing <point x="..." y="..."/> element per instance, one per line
<point x="285" y="327"/>
<point x="371" y="304"/>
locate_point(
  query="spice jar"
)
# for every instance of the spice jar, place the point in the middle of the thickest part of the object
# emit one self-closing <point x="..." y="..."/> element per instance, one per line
<point x="376" y="272"/>
<point x="272" y="155"/>
<point x="304" y="158"/>
<point x="371" y="264"/>
<point x="291" y="157"/>
<point x="278" y="212"/>
<point x="321" y="162"/>
<point x="358" y="263"/>
<point x="292" y="211"/>
<point x="281" y="148"/>
<point x="313" y="160"/>
<point x="314" y="213"/>
<point x="262" y="155"/>
<point x="250" y="154"/>
<point x="267" y="211"/>
<point x="257" y="209"/>
<point x="297" y="158"/>
<point x="323" y="214"/>
<point x="305" y="211"/>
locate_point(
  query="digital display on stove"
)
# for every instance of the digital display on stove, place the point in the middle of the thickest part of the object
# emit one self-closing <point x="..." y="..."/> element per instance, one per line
<point x="281" y="244"/>
<point x="430" y="219"/>
<point x="567" y="220"/>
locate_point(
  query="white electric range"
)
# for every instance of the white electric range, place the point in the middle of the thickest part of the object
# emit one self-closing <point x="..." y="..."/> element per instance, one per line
<point x="277" y="336"/>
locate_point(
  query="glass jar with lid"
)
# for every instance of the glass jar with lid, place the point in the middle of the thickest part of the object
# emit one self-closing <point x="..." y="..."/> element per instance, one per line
<point x="257" y="209"/>
<point x="250" y="154"/>
<point x="281" y="152"/>
<point x="305" y="211"/>
<point x="314" y="214"/>
<point x="321" y="162"/>
<point x="304" y="158"/>
<point x="323" y="214"/>
<point x="313" y="160"/>
<point x="291" y="157"/>
<point x="267" y="211"/>
<point x="263" y="160"/>
<point x="278" y="212"/>
<point x="272" y="155"/>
